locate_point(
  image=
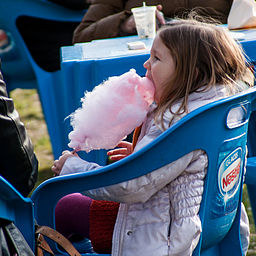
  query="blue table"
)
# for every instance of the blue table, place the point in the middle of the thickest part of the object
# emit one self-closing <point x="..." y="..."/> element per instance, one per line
<point x="85" y="65"/>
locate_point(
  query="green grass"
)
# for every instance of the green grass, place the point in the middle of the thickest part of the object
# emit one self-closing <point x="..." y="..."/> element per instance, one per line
<point x="29" y="108"/>
<point x="252" y="247"/>
<point x="28" y="105"/>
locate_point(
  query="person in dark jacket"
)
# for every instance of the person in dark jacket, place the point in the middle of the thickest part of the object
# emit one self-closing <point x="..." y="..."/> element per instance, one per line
<point x="113" y="18"/>
<point x="18" y="162"/>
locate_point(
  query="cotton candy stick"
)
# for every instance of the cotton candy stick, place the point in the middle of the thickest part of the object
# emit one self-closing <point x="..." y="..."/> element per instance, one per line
<point x="110" y="112"/>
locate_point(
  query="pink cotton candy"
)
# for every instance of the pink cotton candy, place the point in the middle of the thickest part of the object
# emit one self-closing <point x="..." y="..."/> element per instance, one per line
<point x="111" y="111"/>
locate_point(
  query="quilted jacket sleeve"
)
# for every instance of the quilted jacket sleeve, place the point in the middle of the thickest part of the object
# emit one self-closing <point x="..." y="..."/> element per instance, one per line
<point x="18" y="163"/>
<point x="141" y="188"/>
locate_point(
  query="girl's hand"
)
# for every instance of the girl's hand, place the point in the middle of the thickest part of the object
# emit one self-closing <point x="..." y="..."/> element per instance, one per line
<point x="125" y="149"/>
<point x="128" y="26"/>
<point x="58" y="164"/>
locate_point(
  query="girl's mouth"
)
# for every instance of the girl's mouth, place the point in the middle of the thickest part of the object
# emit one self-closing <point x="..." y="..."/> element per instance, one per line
<point x="148" y="76"/>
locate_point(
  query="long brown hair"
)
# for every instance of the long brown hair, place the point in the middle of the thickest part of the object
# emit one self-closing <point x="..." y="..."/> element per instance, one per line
<point x="204" y="55"/>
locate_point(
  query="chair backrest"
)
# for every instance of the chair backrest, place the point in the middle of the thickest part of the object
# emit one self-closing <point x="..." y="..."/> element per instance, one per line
<point x="20" y="67"/>
<point x="17" y="67"/>
<point x="14" y="207"/>
<point x="211" y="128"/>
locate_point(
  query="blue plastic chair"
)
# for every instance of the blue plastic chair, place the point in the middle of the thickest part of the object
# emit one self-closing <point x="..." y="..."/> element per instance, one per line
<point x="250" y="181"/>
<point x="206" y="128"/>
<point x="14" y="207"/>
<point x="250" y="176"/>
<point x="20" y="69"/>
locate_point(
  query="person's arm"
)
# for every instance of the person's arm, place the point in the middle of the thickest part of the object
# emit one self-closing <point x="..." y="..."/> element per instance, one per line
<point x="132" y="191"/>
<point x="107" y="20"/>
<point x="141" y="188"/>
<point x="102" y="20"/>
<point x="69" y="163"/>
<point x="18" y="163"/>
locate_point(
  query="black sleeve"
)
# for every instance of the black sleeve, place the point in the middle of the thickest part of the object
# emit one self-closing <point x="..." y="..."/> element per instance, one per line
<point x="18" y="163"/>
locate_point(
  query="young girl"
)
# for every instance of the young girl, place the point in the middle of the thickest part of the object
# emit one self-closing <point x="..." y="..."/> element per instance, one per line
<point x="191" y="64"/>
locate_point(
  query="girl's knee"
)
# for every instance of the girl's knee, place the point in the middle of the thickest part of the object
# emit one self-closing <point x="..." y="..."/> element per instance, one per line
<point x="72" y="214"/>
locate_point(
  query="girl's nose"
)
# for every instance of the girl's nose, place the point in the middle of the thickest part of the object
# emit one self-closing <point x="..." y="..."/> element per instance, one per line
<point x="146" y="64"/>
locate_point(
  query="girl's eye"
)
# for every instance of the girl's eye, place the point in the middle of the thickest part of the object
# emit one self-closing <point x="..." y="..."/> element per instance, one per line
<point x="156" y="58"/>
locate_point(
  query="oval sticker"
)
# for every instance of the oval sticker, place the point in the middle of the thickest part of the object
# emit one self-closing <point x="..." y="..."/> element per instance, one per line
<point x="229" y="173"/>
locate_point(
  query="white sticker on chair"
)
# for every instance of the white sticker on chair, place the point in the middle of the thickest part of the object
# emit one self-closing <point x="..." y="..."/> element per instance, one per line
<point x="229" y="173"/>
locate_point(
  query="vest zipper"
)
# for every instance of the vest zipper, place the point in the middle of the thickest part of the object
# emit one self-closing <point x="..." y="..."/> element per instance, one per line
<point x="120" y="228"/>
<point x="168" y="237"/>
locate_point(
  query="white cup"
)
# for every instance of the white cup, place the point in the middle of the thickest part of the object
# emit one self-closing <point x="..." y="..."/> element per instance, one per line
<point x="145" y="20"/>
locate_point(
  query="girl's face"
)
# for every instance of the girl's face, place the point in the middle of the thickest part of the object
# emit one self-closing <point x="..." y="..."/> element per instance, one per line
<point x="160" y="66"/>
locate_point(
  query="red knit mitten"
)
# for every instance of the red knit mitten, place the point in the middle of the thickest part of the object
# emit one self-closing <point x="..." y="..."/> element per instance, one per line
<point x="102" y="221"/>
